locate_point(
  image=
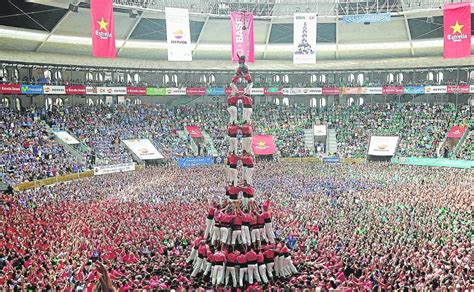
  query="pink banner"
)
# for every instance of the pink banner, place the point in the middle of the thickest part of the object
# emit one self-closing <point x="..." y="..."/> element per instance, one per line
<point x="392" y="90"/>
<point x="456" y="132"/>
<point x="195" y="91"/>
<point x="457" y="30"/>
<point x="76" y="90"/>
<point x="263" y="144"/>
<point x="136" y="90"/>
<point x="103" y="33"/>
<point x="458" y="88"/>
<point x="242" y="35"/>
<point x="10" y="88"/>
<point x="330" y="91"/>
<point x="194" y="131"/>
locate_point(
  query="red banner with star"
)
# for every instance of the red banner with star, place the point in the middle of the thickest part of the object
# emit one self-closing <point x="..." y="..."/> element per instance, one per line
<point x="103" y="33"/>
<point x="263" y="145"/>
<point x="194" y="131"/>
<point x="457" y="30"/>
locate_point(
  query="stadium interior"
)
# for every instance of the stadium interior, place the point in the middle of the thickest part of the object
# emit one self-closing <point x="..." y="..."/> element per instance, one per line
<point x="351" y="171"/>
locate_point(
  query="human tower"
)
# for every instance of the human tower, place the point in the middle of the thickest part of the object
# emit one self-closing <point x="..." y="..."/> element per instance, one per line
<point x="238" y="247"/>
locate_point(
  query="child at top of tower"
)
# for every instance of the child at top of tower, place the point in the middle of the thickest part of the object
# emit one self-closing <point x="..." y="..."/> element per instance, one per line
<point x="241" y="72"/>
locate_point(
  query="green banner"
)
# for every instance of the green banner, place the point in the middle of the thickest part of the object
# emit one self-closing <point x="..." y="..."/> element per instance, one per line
<point x="155" y="91"/>
<point x="436" y="162"/>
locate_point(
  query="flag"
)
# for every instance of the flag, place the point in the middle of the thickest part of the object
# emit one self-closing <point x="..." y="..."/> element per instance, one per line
<point x="178" y="34"/>
<point x="103" y="33"/>
<point x="263" y="144"/>
<point x="304" y="38"/>
<point x="194" y="131"/>
<point x="457" y="30"/>
<point x="242" y="35"/>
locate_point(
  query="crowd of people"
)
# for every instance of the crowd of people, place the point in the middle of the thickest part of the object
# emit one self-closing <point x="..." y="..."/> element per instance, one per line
<point x="422" y="128"/>
<point x="360" y="227"/>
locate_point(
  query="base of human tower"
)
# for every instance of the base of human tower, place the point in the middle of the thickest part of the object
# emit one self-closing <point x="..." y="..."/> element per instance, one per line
<point x="238" y="248"/>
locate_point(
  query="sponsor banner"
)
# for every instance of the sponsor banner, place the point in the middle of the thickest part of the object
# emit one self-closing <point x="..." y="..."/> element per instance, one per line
<point x="458" y="88"/>
<point x="155" y="91"/>
<point x="176" y="91"/>
<point x="178" y="35"/>
<point x="10" y="88"/>
<point x="302" y="91"/>
<point x="456" y="132"/>
<point x="143" y="149"/>
<point x="414" y="90"/>
<point x="471" y="89"/>
<point x="114" y="168"/>
<point x="320" y="130"/>
<point x="228" y="91"/>
<point x="383" y="145"/>
<point x="242" y="35"/>
<point x="103" y="33"/>
<point x="75" y="90"/>
<point x="195" y="91"/>
<point x="194" y="131"/>
<point x="364" y="18"/>
<point x="372" y="90"/>
<point x="65" y="137"/>
<point x="53" y="89"/>
<point x="273" y="91"/>
<point x="457" y="30"/>
<point x="263" y="145"/>
<point x="393" y="90"/>
<point x="195" y="161"/>
<point x="91" y="90"/>
<point x="352" y="90"/>
<point x="32" y="89"/>
<point x="330" y="91"/>
<point x="435" y="162"/>
<point x="257" y="91"/>
<point x="330" y="160"/>
<point x="119" y="90"/>
<point x="304" y="38"/>
<point x="215" y="91"/>
<point x="136" y="90"/>
<point x="436" y="89"/>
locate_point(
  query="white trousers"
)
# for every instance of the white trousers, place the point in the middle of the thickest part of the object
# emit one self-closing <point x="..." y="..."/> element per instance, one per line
<point x="209" y="225"/>
<point x="255" y="235"/>
<point x="224" y="234"/>
<point x="263" y="273"/>
<point x="247" y="114"/>
<point x="247" y="144"/>
<point x="216" y="235"/>
<point x="234" y="176"/>
<point x="230" y="271"/>
<point x="197" y="267"/>
<point x="192" y="256"/>
<point x="236" y="235"/>
<point x="247" y="174"/>
<point x="269" y="232"/>
<point x="246" y="239"/>
<point x="242" y="272"/>
<point x="219" y="275"/>
<point x="234" y="87"/>
<point x="233" y="144"/>
<point x="270" y="269"/>
<point x="248" y="89"/>
<point x="208" y="268"/>
<point x="253" y="271"/>
<point x="290" y="266"/>
<point x="233" y="114"/>
<point x="263" y="235"/>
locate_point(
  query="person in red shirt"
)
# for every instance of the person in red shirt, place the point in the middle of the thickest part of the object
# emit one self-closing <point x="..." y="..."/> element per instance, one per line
<point x="252" y="266"/>
<point x="247" y="137"/>
<point x="232" y="107"/>
<point x="232" y="192"/>
<point x="210" y="261"/>
<point x="241" y="72"/>
<point x="232" y="161"/>
<point x="193" y="256"/>
<point x="247" y="110"/>
<point x="245" y="235"/>
<point x="260" y="226"/>
<point x="216" y="230"/>
<point x="236" y="230"/>
<point x="233" y="131"/>
<point x="242" y="262"/>
<point x="248" y="163"/>
<point x="230" y="268"/>
<point x="268" y="228"/>
<point x="254" y="230"/>
<point x="262" y="268"/>
<point x="202" y="254"/>
<point x="248" y="193"/>
<point x="226" y="221"/>
<point x="210" y="221"/>
<point x="269" y="255"/>
<point x="288" y="266"/>
<point x="219" y="262"/>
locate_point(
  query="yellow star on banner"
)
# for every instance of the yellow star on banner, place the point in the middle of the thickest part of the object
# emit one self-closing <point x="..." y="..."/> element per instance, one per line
<point x="102" y="24"/>
<point x="457" y="27"/>
<point x="261" y="144"/>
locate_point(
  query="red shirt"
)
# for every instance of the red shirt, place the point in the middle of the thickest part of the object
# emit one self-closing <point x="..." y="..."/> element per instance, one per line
<point x="253" y="220"/>
<point x="232" y="130"/>
<point x="247" y="100"/>
<point x="232" y="191"/>
<point x="247" y="160"/>
<point x="248" y="190"/>
<point x="246" y="130"/>
<point x="232" y="159"/>
<point x="238" y="221"/>
<point x="260" y="258"/>
<point x="269" y="254"/>
<point x="219" y="257"/>
<point x="233" y="100"/>
<point x="260" y="219"/>
<point x="226" y="220"/>
<point x="231" y="258"/>
<point x="241" y="259"/>
<point x="211" y="211"/>
<point x="251" y="256"/>
<point x="202" y="250"/>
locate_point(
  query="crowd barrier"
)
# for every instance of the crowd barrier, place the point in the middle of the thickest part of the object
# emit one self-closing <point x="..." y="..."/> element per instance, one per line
<point x="52" y="180"/>
<point x="434" y="162"/>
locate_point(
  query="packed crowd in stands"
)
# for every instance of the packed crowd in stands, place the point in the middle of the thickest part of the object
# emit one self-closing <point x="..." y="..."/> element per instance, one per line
<point x="360" y="227"/>
<point x="422" y="128"/>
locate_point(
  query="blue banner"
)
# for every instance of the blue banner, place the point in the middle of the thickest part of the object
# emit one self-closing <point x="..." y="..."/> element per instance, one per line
<point x="32" y="89"/>
<point x="195" y="161"/>
<point x="215" y="91"/>
<point x="331" y="160"/>
<point x="414" y="90"/>
<point x="364" y="18"/>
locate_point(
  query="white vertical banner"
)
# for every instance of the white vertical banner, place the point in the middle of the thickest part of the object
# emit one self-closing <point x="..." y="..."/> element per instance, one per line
<point x="178" y="34"/>
<point x="304" y="38"/>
